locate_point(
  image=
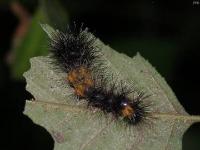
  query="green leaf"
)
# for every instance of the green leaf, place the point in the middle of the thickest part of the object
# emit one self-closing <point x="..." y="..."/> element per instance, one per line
<point x="32" y="45"/>
<point x="35" y="41"/>
<point x="74" y="126"/>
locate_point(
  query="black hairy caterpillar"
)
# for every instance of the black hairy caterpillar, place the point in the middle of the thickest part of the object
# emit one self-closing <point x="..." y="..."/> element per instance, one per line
<point x="76" y="53"/>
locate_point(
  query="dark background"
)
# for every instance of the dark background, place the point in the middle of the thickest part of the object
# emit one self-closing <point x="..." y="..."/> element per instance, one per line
<point x="167" y="33"/>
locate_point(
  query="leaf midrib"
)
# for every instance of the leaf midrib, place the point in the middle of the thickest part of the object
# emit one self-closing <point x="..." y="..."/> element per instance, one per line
<point x="78" y="108"/>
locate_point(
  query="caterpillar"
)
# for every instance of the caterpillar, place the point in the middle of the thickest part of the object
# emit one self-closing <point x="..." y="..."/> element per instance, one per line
<point x="74" y="51"/>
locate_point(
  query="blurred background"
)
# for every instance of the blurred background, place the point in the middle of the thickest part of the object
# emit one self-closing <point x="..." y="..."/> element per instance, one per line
<point x="167" y="33"/>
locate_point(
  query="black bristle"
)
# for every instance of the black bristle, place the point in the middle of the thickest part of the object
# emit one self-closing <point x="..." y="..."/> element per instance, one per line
<point x="74" y="48"/>
<point x="111" y="102"/>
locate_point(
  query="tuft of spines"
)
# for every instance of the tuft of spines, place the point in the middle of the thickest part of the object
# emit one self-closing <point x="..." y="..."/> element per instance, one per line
<point x="73" y="48"/>
<point x="117" y="100"/>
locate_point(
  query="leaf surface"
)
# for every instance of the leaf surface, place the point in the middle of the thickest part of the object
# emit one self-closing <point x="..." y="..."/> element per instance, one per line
<point x="74" y="126"/>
